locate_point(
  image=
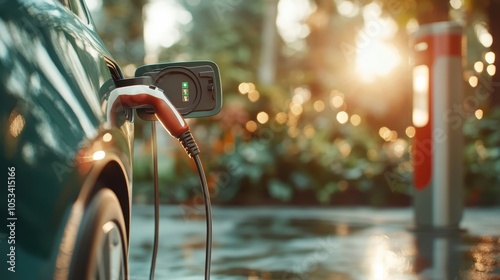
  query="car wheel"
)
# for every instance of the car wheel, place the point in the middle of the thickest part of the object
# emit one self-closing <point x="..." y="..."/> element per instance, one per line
<point x="101" y="245"/>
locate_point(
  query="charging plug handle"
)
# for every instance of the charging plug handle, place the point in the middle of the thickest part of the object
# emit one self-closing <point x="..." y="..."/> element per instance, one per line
<point x="143" y="96"/>
<point x="167" y="115"/>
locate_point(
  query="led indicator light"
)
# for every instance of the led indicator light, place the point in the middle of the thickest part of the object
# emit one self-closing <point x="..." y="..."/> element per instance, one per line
<point x="185" y="92"/>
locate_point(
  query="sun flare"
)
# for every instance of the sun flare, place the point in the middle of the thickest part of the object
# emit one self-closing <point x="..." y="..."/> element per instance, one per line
<point x="375" y="55"/>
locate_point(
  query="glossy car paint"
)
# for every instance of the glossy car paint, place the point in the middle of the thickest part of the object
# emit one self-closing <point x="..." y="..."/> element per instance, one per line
<point x="54" y="76"/>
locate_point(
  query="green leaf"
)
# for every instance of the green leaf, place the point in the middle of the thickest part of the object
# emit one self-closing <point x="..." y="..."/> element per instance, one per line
<point x="280" y="190"/>
<point x="301" y="180"/>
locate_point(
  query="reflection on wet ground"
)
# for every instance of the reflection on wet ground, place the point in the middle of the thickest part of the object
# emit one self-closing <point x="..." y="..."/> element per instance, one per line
<point x="314" y="243"/>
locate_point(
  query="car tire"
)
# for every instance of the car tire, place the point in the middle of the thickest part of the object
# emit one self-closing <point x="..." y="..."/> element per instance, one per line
<point x="101" y="245"/>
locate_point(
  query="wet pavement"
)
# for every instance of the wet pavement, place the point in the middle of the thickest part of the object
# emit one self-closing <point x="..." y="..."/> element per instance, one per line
<point x="313" y="243"/>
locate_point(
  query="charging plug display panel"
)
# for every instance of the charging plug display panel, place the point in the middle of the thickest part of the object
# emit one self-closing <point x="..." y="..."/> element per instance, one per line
<point x="193" y="87"/>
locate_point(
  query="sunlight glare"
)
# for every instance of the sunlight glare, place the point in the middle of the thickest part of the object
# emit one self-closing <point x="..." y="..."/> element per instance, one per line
<point x="291" y="17"/>
<point x="372" y="10"/>
<point x="375" y="56"/>
<point x="347" y="8"/>
<point x="379" y="59"/>
<point x="161" y="25"/>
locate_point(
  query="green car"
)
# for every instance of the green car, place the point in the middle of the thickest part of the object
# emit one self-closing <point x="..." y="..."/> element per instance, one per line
<point x="68" y="171"/>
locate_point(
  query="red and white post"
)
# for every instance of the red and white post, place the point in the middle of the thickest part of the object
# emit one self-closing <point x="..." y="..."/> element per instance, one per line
<point x="438" y="143"/>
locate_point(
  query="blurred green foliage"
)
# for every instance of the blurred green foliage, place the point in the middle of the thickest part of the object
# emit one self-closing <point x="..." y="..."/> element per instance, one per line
<point x="298" y="151"/>
<point x="482" y="159"/>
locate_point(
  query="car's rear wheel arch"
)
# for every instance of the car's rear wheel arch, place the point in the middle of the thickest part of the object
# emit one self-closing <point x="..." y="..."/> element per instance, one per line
<point x="112" y="177"/>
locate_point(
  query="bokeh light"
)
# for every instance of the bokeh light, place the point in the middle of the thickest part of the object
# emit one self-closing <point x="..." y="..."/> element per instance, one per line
<point x="387" y="134"/>
<point x="489" y="57"/>
<point x="400" y="146"/>
<point x="309" y="131"/>
<point x="337" y="101"/>
<point x="319" y="105"/>
<point x="251" y="126"/>
<point x="410" y="131"/>
<point x="479" y="114"/>
<point x="355" y="120"/>
<point x="302" y="94"/>
<point x="384" y="132"/>
<point x="262" y="117"/>
<point x="483" y="35"/>
<point x="244" y="88"/>
<point x="347" y="8"/>
<point x="297" y="99"/>
<point x="342" y="117"/>
<point x="491" y="69"/>
<point x="107" y="137"/>
<point x="296" y="109"/>
<point x="253" y="95"/>
<point x="293" y="131"/>
<point x="473" y="80"/>
<point x="456" y="4"/>
<point x="478" y="66"/>
<point x="344" y="147"/>
<point x="372" y="154"/>
<point x="281" y="117"/>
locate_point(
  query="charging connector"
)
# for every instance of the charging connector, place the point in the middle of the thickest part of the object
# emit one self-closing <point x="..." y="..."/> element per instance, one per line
<point x="145" y="96"/>
<point x="131" y="95"/>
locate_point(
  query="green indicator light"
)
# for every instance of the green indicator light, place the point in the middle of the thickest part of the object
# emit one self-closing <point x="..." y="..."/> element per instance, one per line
<point x="185" y="92"/>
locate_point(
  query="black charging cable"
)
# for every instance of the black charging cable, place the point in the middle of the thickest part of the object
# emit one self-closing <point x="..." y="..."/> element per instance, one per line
<point x="191" y="148"/>
<point x="156" y="199"/>
<point x="208" y="214"/>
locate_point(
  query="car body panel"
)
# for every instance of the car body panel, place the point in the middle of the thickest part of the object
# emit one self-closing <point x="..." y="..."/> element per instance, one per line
<point x="54" y="77"/>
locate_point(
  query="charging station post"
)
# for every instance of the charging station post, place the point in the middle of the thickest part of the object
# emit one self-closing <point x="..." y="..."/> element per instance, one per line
<point x="437" y="150"/>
